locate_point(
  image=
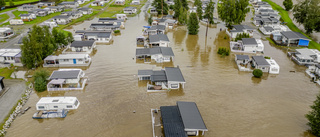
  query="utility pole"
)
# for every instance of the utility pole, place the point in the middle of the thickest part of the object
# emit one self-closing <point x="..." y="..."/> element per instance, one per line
<point x="162" y="8"/>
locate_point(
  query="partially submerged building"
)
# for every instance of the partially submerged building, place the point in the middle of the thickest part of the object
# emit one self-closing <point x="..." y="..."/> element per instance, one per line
<point x="305" y="56"/>
<point x="247" y="45"/>
<point x="67" y="60"/>
<point x="169" y="78"/>
<point x="290" y="38"/>
<point x="159" y="40"/>
<point x="66" y="79"/>
<point x="238" y="29"/>
<point x="158" y="54"/>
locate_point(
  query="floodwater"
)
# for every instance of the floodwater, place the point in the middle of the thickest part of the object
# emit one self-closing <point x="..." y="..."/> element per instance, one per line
<point x="232" y="103"/>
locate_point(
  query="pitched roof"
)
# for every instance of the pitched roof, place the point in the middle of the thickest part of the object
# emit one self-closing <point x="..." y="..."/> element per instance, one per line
<point x="240" y="28"/>
<point x="191" y="116"/>
<point x="165" y="51"/>
<point x="174" y="74"/>
<point x="65" y="74"/>
<point x="104" y="25"/>
<point x="267" y="28"/>
<point x="293" y="35"/>
<point x="172" y="122"/>
<point x="260" y="60"/>
<point x="158" y="38"/>
<point x="249" y="41"/>
<point x="61" y="17"/>
<point x="82" y="43"/>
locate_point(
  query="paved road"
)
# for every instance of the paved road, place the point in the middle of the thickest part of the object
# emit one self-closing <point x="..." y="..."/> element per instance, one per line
<point x="11" y="97"/>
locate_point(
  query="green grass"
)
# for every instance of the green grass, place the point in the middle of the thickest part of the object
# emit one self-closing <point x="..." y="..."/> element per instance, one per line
<point x="83" y="18"/>
<point x="127" y="3"/>
<point x="3" y="17"/>
<point x="42" y="19"/>
<point x="21" y="2"/>
<point x="5" y="24"/>
<point x="17" y="13"/>
<point x="111" y="11"/>
<point x="285" y="17"/>
<point x="5" y="72"/>
<point x="9" y="9"/>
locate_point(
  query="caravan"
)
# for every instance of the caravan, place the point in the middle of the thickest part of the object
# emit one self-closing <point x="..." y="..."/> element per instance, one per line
<point x="57" y="103"/>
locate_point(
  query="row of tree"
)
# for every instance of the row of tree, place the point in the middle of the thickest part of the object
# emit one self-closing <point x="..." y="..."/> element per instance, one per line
<point x="233" y="11"/>
<point x="40" y="43"/>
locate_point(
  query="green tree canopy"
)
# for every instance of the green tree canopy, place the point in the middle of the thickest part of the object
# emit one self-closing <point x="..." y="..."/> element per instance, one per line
<point x="314" y="117"/>
<point x="307" y="12"/>
<point x="288" y="4"/>
<point x="183" y="17"/>
<point x="198" y="4"/>
<point x="11" y="3"/>
<point x="158" y="5"/>
<point x="233" y="11"/>
<point x="39" y="79"/>
<point x="257" y="73"/>
<point x="209" y="12"/>
<point x="176" y="9"/>
<point x="193" y="24"/>
<point x="242" y="35"/>
<point x="2" y="3"/>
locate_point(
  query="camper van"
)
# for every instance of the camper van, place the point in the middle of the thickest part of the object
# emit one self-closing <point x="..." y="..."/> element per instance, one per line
<point x="57" y="103"/>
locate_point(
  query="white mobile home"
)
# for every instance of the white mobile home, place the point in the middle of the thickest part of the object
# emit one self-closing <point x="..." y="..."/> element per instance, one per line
<point x="274" y="67"/>
<point x="56" y="103"/>
<point x="67" y="60"/>
<point x="16" y="22"/>
<point x="83" y="46"/>
<point x="11" y="56"/>
<point x="247" y="45"/>
<point x="6" y="33"/>
<point x="67" y="79"/>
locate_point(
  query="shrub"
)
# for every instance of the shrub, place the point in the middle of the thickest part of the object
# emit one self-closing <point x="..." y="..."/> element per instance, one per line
<point x="223" y="51"/>
<point x="242" y="35"/>
<point x="257" y="73"/>
<point x="266" y="57"/>
<point x="313" y="117"/>
<point x="40" y="84"/>
<point x="116" y="31"/>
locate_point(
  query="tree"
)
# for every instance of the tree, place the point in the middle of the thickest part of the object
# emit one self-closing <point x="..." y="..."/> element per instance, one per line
<point x="177" y="6"/>
<point x="307" y="12"/>
<point x="161" y="5"/>
<point x="241" y="35"/>
<point x="198" y="4"/>
<point x="69" y="37"/>
<point x="183" y="17"/>
<point x="2" y="3"/>
<point x="314" y="117"/>
<point x="209" y="12"/>
<point x="288" y="4"/>
<point x="59" y="37"/>
<point x="150" y="20"/>
<point x="233" y="11"/>
<point x="193" y="24"/>
<point x="11" y="3"/>
<point x="257" y="73"/>
<point x="184" y="4"/>
<point x="39" y="79"/>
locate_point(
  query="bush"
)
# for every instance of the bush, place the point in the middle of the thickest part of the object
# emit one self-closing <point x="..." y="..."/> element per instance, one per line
<point x="11" y="3"/>
<point x="223" y="51"/>
<point x="242" y="35"/>
<point x="313" y="117"/>
<point x="116" y="31"/>
<point x="40" y="84"/>
<point x="257" y="73"/>
<point x="266" y="57"/>
<point x="40" y="79"/>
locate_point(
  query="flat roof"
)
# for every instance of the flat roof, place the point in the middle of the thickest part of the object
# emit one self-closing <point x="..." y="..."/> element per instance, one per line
<point x="191" y="117"/>
<point x="174" y="74"/>
<point x="165" y="51"/>
<point x="65" y="74"/>
<point x="172" y="122"/>
<point x="260" y="60"/>
<point x="72" y="56"/>
<point x="56" y="100"/>
<point x="88" y="43"/>
<point x="242" y="57"/>
<point x="306" y="51"/>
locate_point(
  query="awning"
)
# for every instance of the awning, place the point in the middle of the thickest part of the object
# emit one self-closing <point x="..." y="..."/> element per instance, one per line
<point x="57" y="81"/>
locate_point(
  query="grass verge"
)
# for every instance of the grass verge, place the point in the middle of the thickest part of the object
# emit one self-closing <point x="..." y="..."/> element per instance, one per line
<point x="17" y="13"/>
<point x="285" y="17"/>
<point x="21" y="2"/>
<point x="3" y="17"/>
<point x="9" y="9"/>
<point x="83" y="18"/>
<point x="42" y="19"/>
<point x="111" y="11"/>
<point x="5" y="72"/>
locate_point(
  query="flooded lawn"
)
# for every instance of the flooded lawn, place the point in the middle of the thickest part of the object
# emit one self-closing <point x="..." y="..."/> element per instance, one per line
<point x="232" y="103"/>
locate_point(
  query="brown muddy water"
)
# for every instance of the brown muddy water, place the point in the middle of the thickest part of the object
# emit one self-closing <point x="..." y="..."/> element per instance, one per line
<point x="232" y="103"/>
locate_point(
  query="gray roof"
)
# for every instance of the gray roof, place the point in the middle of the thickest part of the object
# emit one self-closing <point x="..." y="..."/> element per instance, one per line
<point x="158" y="76"/>
<point x="145" y="72"/>
<point x="191" y="116"/>
<point x="268" y="28"/>
<point x="172" y="122"/>
<point x="293" y="35"/>
<point x="165" y="51"/>
<point x="129" y="8"/>
<point x="174" y="74"/>
<point x="21" y="15"/>
<point x="240" y="28"/>
<point x="249" y="41"/>
<point x="65" y="74"/>
<point x="318" y="65"/>
<point x="104" y="25"/>
<point x="260" y="60"/>
<point x="158" y="38"/>
<point x="54" y="7"/>
<point x="157" y="27"/>
<point x="65" y="2"/>
<point x="82" y="43"/>
<point x="242" y="57"/>
<point x="61" y="17"/>
<point x="85" y="9"/>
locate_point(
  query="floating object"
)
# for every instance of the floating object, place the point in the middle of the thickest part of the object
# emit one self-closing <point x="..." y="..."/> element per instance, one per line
<point x="50" y="114"/>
